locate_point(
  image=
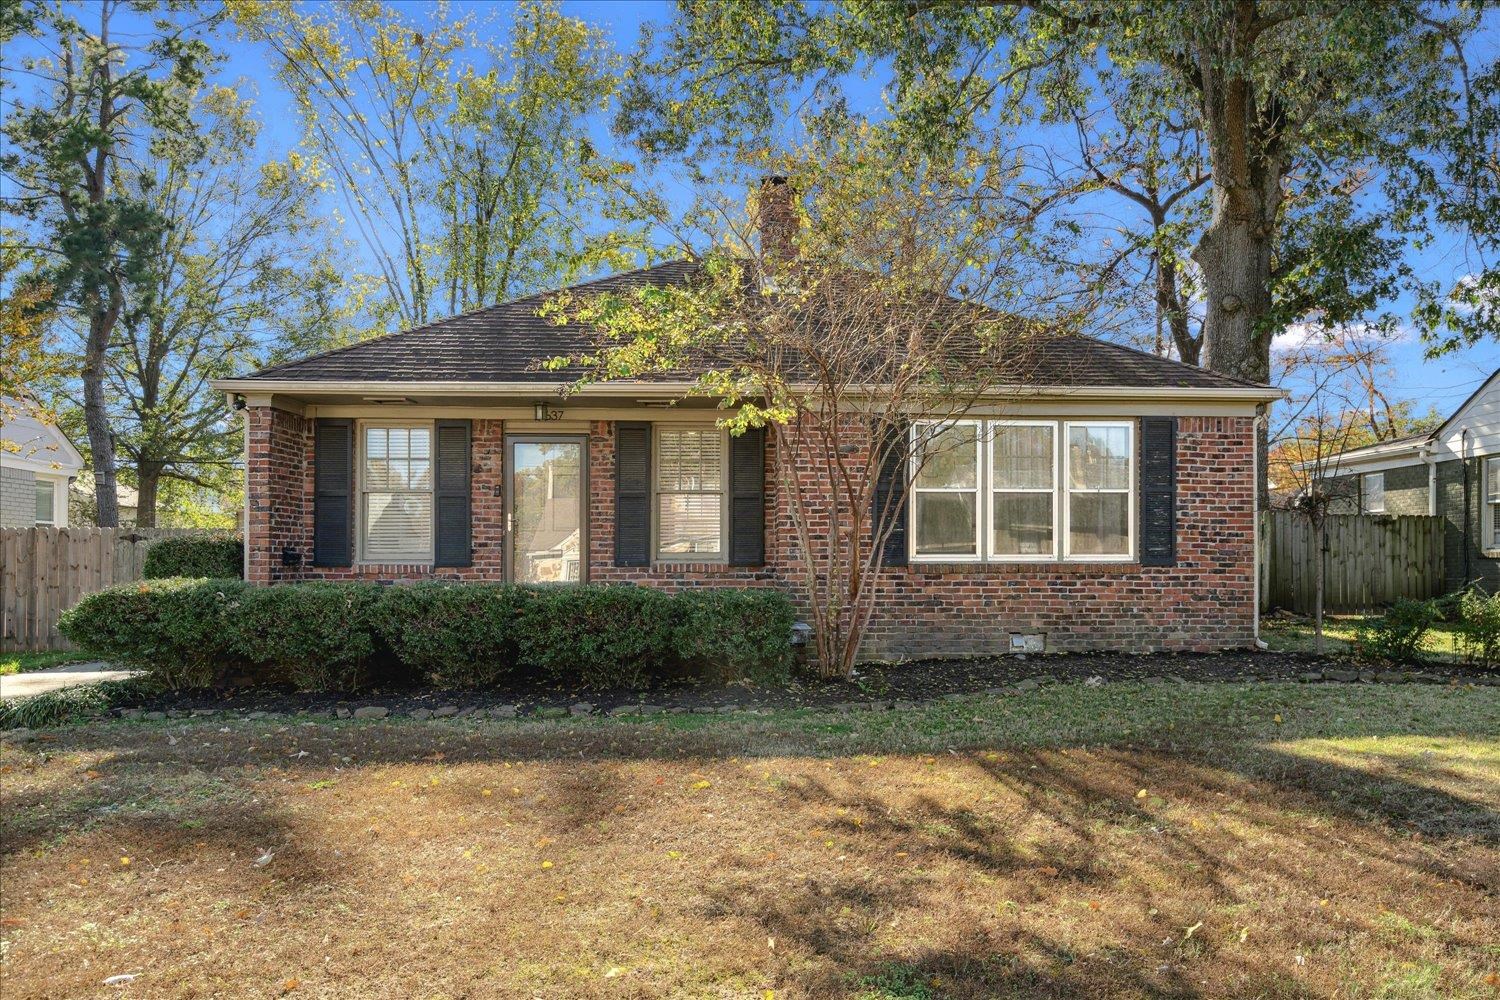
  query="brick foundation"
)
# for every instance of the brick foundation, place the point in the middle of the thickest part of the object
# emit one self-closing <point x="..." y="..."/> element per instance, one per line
<point x="1204" y="602"/>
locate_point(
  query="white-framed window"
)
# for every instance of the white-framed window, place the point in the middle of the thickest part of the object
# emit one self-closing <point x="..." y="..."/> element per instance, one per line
<point x="1022" y="490"/>
<point x="395" y="492"/>
<point x="945" y="490"/>
<point x="1372" y="492"/>
<point x="46" y="502"/>
<point x="690" y="495"/>
<point x="1101" y="489"/>
<point x="1492" y="499"/>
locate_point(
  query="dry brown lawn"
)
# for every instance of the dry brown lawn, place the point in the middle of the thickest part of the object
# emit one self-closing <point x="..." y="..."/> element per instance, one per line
<point x="1294" y="842"/>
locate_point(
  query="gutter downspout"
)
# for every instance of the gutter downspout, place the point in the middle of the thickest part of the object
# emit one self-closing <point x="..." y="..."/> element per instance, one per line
<point x="1463" y="454"/>
<point x="1260" y="421"/>
<point x="1432" y="486"/>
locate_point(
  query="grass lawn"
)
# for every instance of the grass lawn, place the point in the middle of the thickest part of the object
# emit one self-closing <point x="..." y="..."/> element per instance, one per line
<point x="21" y="663"/>
<point x="1296" y="636"/>
<point x="1197" y="840"/>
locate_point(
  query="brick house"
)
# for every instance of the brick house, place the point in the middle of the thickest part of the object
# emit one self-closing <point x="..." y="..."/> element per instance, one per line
<point x="1452" y="471"/>
<point x="1110" y="508"/>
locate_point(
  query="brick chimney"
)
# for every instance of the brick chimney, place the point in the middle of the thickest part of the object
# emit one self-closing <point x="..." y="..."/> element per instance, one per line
<point x="776" y="218"/>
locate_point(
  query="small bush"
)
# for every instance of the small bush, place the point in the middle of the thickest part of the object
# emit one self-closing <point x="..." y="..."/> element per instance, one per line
<point x="318" y="636"/>
<point x="454" y="635"/>
<point x="1396" y="636"/>
<point x="599" y="635"/>
<point x="218" y="558"/>
<point x="181" y="631"/>
<point x="1479" y="627"/>
<point x="734" y="633"/>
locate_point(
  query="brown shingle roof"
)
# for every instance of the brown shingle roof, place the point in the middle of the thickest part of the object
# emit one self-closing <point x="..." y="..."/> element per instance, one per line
<point x="510" y="342"/>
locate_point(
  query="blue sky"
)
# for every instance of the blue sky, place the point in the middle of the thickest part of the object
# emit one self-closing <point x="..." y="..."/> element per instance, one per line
<point x="1442" y="383"/>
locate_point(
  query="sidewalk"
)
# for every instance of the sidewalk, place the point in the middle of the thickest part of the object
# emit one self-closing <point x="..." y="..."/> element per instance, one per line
<point x="53" y="678"/>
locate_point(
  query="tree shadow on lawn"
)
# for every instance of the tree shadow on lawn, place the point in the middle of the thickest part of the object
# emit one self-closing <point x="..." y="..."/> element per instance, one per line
<point x="1039" y="873"/>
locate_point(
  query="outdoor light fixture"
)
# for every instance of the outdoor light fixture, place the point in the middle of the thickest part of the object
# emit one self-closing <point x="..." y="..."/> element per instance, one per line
<point x="544" y="412"/>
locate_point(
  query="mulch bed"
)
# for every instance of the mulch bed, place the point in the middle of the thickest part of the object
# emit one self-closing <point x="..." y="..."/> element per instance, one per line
<point x="874" y="686"/>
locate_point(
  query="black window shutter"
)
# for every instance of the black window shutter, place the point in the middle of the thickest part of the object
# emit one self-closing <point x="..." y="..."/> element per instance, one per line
<point x="333" y="492"/>
<point x="1158" y="491"/>
<point x="890" y="495"/>
<point x="747" y="498"/>
<point x="632" y="494"/>
<point x="451" y="522"/>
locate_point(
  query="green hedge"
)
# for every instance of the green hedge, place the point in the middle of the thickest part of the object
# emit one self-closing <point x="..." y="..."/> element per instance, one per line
<point x="341" y="636"/>
<point x="453" y="635"/>
<point x="217" y="558"/>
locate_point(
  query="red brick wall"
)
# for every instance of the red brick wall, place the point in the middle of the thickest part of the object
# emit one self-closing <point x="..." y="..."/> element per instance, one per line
<point x="1204" y="602"/>
<point x="285" y="483"/>
<point x="278" y="478"/>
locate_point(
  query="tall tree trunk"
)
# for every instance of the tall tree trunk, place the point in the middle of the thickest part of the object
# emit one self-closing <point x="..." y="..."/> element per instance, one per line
<point x="148" y="478"/>
<point x="1235" y="257"/>
<point x="96" y="417"/>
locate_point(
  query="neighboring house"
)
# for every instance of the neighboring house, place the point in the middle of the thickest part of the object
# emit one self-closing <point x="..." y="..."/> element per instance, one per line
<point x="85" y="506"/>
<point x="1109" y="506"/>
<point x="36" y="462"/>
<point x="1453" y="471"/>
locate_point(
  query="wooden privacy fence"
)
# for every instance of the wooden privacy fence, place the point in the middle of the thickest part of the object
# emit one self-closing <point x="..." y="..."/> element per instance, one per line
<point x="1370" y="560"/>
<point x="44" y="571"/>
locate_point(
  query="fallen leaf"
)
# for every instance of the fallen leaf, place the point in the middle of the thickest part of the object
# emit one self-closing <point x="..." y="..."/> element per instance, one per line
<point x="1192" y="930"/>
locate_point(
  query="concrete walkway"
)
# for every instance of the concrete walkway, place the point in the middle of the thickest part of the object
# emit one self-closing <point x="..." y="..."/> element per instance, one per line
<point x="53" y="678"/>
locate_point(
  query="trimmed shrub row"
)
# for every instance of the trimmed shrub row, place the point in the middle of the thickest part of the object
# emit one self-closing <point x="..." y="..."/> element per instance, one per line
<point x="343" y="636"/>
<point x="194" y="557"/>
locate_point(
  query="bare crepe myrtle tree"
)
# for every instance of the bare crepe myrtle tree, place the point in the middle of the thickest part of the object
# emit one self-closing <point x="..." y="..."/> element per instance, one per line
<point x="1331" y="412"/>
<point x="849" y="298"/>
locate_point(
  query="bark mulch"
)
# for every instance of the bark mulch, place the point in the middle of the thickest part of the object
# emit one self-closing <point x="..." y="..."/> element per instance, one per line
<point x="875" y="686"/>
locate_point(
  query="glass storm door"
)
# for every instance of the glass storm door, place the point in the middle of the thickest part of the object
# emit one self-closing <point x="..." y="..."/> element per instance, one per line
<point x="546" y="509"/>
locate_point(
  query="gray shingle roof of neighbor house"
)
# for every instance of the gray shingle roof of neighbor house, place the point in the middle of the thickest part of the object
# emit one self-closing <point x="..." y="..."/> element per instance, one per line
<point x="509" y="343"/>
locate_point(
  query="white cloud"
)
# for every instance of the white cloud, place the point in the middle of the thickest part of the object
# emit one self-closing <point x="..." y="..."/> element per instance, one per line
<point x="1300" y="336"/>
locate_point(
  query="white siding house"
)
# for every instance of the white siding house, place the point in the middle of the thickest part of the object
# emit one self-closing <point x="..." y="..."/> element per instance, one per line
<point x="37" y="461"/>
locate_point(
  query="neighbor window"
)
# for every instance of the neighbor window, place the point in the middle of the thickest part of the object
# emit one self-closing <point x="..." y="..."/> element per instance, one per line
<point x="1492" y="498"/>
<point x="1372" y="491"/>
<point x="1035" y="476"/>
<point x="396" y="493"/>
<point x="690" y="493"/>
<point x="46" y="502"/>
